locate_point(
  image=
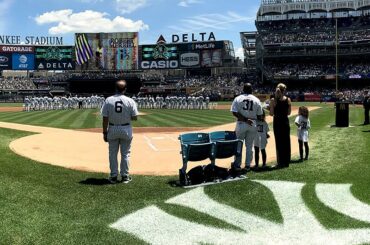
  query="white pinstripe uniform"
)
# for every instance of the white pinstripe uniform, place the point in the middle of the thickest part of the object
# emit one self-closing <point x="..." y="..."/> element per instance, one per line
<point x="249" y="106"/>
<point x="119" y="109"/>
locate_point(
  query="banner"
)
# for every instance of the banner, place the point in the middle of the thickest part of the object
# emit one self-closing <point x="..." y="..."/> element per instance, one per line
<point x="55" y="58"/>
<point x="190" y="60"/>
<point x="23" y="62"/>
<point x="211" y="58"/>
<point x="185" y="47"/>
<point x="159" y="56"/>
<point x="17" y="49"/>
<point x="107" y="51"/>
<point x="5" y="61"/>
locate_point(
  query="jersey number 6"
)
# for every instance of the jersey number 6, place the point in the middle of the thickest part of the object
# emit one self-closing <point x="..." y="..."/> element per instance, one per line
<point x="118" y="106"/>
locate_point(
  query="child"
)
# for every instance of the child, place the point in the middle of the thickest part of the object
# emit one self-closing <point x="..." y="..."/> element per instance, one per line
<point x="260" y="141"/>
<point x="303" y="123"/>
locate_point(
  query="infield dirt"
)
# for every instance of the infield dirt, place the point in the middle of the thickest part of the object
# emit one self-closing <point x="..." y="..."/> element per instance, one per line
<point x="154" y="151"/>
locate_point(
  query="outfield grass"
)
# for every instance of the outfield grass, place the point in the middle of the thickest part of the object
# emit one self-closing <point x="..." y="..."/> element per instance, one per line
<point x="81" y="119"/>
<point x="76" y="119"/>
<point x="42" y="204"/>
<point x="11" y="104"/>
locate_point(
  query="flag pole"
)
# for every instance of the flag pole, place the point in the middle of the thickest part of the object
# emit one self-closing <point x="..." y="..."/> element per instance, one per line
<point x="336" y="56"/>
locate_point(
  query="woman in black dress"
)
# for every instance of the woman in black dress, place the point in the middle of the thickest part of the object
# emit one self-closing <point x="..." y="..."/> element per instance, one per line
<point x="280" y="109"/>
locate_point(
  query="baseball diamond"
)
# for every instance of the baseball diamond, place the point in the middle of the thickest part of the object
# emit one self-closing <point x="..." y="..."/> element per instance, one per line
<point x="181" y="122"/>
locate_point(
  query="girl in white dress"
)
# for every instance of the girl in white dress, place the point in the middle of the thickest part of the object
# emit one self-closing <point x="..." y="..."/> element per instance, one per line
<point x="303" y="123"/>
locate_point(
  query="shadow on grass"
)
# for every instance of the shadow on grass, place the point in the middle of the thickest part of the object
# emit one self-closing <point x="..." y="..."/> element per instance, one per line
<point x="366" y="131"/>
<point x="94" y="181"/>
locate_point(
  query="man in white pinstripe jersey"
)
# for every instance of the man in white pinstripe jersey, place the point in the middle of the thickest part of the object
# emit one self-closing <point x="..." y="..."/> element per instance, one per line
<point x="118" y="111"/>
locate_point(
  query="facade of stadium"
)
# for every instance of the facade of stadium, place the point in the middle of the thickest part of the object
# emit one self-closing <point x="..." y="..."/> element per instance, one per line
<point x="310" y="41"/>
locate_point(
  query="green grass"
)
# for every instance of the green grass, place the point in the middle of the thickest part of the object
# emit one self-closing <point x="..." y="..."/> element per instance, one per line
<point x="80" y="119"/>
<point x="10" y="104"/>
<point x="76" y="119"/>
<point x="42" y="204"/>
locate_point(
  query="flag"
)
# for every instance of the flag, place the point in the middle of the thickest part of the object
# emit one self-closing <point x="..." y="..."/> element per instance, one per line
<point x="84" y="51"/>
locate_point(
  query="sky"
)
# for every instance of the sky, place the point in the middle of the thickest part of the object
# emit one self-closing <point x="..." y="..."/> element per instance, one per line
<point x="151" y="18"/>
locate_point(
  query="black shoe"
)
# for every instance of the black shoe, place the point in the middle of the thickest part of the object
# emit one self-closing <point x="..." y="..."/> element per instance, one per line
<point x="306" y="158"/>
<point x="126" y="179"/>
<point x="113" y="180"/>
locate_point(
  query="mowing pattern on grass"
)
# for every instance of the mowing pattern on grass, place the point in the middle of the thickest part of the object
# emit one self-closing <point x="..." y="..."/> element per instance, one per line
<point x="78" y="119"/>
<point x="42" y="204"/>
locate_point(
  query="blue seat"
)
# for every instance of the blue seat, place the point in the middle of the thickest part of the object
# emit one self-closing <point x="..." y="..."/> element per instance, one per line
<point x="226" y="144"/>
<point x="195" y="147"/>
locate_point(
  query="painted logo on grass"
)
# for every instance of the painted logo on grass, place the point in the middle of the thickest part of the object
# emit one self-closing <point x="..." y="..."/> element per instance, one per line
<point x="300" y="226"/>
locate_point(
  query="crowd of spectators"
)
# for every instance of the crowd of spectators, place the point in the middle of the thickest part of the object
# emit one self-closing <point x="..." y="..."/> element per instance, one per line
<point x="316" y="37"/>
<point x="315" y="70"/>
<point x="16" y="83"/>
<point x="322" y="24"/>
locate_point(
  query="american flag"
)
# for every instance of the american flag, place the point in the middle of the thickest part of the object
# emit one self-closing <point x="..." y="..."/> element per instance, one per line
<point x="84" y="51"/>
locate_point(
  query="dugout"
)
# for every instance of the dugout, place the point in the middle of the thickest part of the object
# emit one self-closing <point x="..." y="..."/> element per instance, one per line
<point x="104" y="87"/>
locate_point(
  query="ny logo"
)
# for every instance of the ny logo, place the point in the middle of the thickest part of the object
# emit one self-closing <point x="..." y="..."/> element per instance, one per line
<point x="299" y="226"/>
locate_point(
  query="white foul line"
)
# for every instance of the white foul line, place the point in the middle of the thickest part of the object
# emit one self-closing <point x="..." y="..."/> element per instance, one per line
<point x="148" y="141"/>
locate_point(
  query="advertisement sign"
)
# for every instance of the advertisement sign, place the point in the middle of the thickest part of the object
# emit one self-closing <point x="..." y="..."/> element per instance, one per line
<point x="190" y="60"/>
<point x="159" y="56"/>
<point x="107" y="51"/>
<point x="211" y="58"/>
<point x="200" y="46"/>
<point x="55" y="58"/>
<point x="17" y="49"/>
<point x="5" y="61"/>
<point x="23" y="62"/>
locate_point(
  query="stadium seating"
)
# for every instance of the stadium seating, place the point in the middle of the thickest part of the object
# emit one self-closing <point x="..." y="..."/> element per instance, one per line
<point x="226" y="144"/>
<point x="201" y="146"/>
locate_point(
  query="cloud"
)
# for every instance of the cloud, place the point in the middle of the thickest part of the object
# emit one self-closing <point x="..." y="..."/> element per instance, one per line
<point x="186" y="3"/>
<point x="239" y="52"/>
<point x="129" y="6"/>
<point x="87" y="21"/>
<point x="210" y="22"/>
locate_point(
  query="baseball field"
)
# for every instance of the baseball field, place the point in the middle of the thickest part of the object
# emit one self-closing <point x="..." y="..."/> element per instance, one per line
<point x="323" y="200"/>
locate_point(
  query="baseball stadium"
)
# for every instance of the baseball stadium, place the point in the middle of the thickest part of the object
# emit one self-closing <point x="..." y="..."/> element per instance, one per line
<point x="123" y="134"/>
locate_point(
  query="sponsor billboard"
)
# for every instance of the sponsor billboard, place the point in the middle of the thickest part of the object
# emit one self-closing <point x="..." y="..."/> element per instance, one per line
<point x="17" y="49"/>
<point x="5" y="61"/>
<point x="23" y="61"/>
<point x="211" y="58"/>
<point x="55" y="58"/>
<point x="107" y="51"/>
<point x="159" y="56"/>
<point x="200" y="46"/>
<point x="190" y="60"/>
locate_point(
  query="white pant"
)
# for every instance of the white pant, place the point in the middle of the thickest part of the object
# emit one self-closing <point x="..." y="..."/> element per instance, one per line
<point x="246" y="133"/>
<point x="119" y="137"/>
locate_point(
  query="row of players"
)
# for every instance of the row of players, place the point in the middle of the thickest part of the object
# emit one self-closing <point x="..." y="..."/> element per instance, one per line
<point x="62" y="103"/>
<point x="174" y="102"/>
<point x="96" y="102"/>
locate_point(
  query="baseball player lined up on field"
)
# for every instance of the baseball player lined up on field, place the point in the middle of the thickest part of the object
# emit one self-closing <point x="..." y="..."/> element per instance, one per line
<point x="173" y="102"/>
<point x="62" y="103"/>
<point x="118" y="111"/>
<point x="247" y="109"/>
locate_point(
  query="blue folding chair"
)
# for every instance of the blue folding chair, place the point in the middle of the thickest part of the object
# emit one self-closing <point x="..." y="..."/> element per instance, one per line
<point x="194" y="147"/>
<point x="226" y="145"/>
